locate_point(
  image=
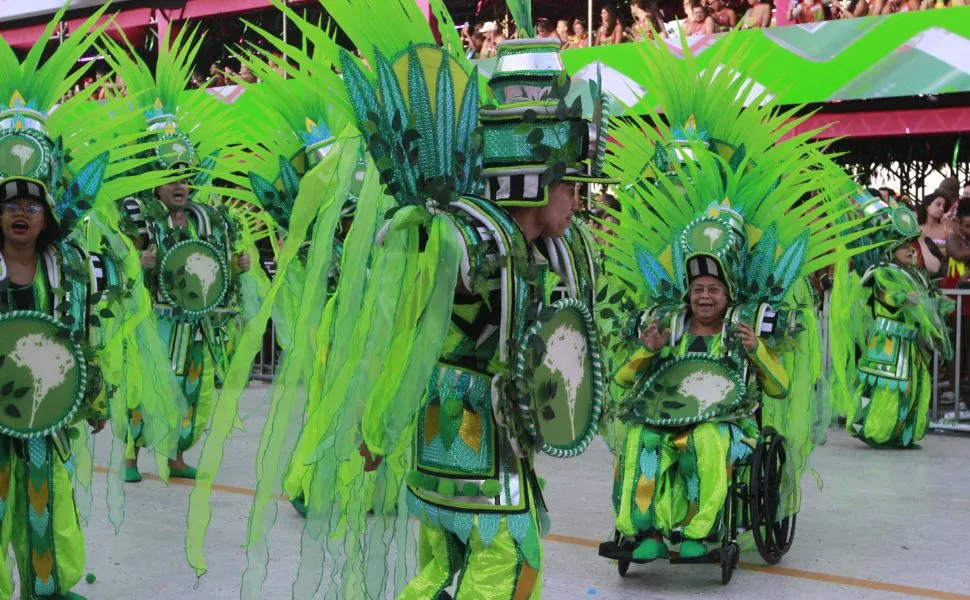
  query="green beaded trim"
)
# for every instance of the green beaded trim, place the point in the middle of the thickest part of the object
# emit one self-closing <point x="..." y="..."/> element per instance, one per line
<point x="81" y="380"/>
<point x="525" y="404"/>
<point x="164" y="291"/>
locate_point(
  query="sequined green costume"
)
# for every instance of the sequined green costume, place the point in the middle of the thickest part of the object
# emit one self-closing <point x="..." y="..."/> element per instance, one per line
<point x="881" y="361"/>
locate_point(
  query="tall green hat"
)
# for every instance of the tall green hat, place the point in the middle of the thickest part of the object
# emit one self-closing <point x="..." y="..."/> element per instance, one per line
<point x="713" y="244"/>
<point x="537" y="135"/>
<point x="892" y="224"/>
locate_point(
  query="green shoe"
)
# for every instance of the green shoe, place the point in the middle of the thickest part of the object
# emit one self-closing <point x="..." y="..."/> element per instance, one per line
<point x="299" y="505"/>
<point x="183" y="472"/>
<point x="132" y="475"/>
<point x="68" y="596"/>
<point x="693" y="549"/>
<point x="650" y="549"/>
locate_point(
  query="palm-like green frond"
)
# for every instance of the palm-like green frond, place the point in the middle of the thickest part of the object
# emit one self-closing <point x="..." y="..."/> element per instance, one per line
<point x="43" y="81"/>
<point x="743" y="150"/>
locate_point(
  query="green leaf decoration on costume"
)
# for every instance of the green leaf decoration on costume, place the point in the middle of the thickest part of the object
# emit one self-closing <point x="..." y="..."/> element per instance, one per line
<point x="491" y="488"/>
<point x="445" y="113"/>
<point x="425" y="122"/>
<point x="521" y="11"/>
<point x="291" y="180"/>
<point x="448" y="426"/>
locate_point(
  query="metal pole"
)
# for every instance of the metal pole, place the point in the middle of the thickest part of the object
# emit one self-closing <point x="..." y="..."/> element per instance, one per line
<point x="958" y="357"/>
<point x="589" y="23"/>
<point x="285" y="23"/>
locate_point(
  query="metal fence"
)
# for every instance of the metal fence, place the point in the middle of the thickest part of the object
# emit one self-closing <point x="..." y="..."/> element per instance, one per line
<point x="950" y="402"/>
<point x="264" y="367"/>
<point x="948" y="410"/>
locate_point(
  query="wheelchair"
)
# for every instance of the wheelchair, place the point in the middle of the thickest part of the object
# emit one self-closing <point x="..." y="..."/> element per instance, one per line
<point x="752" y="504"/>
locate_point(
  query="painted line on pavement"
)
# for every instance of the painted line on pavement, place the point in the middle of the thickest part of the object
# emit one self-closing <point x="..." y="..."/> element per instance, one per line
<point x="868" y="584"/>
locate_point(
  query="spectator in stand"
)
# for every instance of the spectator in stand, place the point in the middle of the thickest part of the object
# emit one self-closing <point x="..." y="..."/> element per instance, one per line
<point x="699" y="22"/>
<point x="472" y="40"/>
<point x="895" y="6"/>
<point x="246" y="74"/>
<point x="492" y="38"/>
<point x="647" y="23"/>
<point x="546" y="30"/>
<point x="611" y="30"/>
<point x="808" y="11"/>
<point x="966" y="189"/>
<point x="724" y="17"/>
<point x="562" y="30"/>
<point x="958" y="276"/>
<point x="757" y="16"/>
<point x="937" y="226"/>
<point x="580" y="38"/>
<point x="196" y="80"/>
<point x="217" y="77"/>
<point x="887" y="194"/>
<point x="950" y="187"/>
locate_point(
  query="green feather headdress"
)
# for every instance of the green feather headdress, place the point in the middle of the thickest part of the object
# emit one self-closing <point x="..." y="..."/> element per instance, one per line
<point x="304" y="106"/>
<point x="186" y="128"/>
<point x="758" y="174"/>
<point x="890" y="225"/>
<point x="43" y="142"/>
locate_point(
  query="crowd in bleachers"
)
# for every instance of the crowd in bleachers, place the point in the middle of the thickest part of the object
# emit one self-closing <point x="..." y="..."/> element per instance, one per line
<point x="644" y="19"/>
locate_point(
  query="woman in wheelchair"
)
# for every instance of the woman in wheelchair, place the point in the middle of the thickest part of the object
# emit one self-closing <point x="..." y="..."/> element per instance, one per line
<point x="674" y="476"/>
<point x="714" y="237"/>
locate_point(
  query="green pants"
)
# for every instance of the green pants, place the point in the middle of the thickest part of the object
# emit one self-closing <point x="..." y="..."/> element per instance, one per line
<point x="669" y="479"/>
<point x="39" y="518"/>
<point x="895" y="418"/>
<point x="197" y="376"/>
<point x="497" y="571"/>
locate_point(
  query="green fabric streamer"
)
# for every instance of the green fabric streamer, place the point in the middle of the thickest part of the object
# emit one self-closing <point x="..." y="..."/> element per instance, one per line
<point x="522" y="15"/>
<point x="322" y="186"/>
<point x="288" y="401"/>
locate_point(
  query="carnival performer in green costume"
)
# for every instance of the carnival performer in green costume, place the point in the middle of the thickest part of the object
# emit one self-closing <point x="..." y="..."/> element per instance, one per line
<point x="57" y="301"/>
<point x="715" y="267"/>
<point x="881" y="362"/>
<point x="409" y="360"/>
<point x="187" y="238"/>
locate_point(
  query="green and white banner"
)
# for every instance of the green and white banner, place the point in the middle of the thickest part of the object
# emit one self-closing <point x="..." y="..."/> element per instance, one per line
<point x="924" y="52"/>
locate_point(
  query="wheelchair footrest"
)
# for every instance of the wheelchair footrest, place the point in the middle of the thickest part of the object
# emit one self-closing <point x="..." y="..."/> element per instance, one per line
<point x="620" y="551"/>
<point x="712" y="557"/>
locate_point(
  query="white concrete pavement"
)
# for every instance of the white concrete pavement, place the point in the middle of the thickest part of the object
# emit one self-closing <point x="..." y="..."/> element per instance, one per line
<point x="888" y="524"/>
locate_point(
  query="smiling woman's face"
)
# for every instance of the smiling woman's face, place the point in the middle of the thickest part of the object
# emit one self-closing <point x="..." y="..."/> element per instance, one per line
<point x="22" y="221"/>
<point x="708" y="300"/>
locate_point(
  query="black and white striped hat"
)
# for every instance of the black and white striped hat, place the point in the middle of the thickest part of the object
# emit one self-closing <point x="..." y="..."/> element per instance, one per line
<point x="21" y="189"/>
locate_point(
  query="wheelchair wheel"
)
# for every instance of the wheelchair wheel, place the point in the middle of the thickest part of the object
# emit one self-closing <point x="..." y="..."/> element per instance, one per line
<point x="622" y="566"/>
<point x="772" y="535"/>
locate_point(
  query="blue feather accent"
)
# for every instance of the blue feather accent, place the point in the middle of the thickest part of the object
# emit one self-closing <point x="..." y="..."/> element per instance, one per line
<point x="363" y="96"/>
<point x="653" y="274"/>
<point x="790" y="263"/>
<point x="91" y="176"/>
<point x="319" y="133"/>
<point x="291" y="179"/>
<point x="680" y="275"/>
<point x="468" y="183"/>
<point x="445" y="91"/>
<point x="421" y="109"/>
<point x="763" y="261"/>
<point x="391" y="95"/>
